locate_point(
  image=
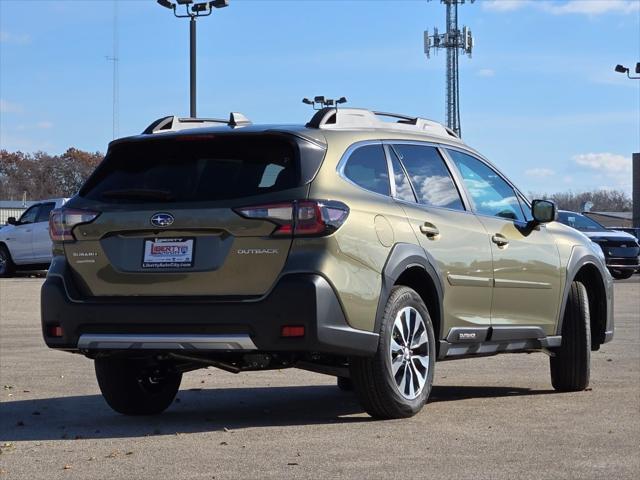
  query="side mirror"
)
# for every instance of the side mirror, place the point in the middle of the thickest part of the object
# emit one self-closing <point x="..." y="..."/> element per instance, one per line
<point x="543" y="211"/>
<point x="12" y="221"/>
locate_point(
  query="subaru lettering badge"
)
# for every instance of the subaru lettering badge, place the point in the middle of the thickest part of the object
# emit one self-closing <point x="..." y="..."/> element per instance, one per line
<point x="162" y="219"/>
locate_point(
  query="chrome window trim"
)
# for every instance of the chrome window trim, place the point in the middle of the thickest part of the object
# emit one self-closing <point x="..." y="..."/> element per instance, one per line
<point x="389" y="150"/>
<point x="392" y="180"/>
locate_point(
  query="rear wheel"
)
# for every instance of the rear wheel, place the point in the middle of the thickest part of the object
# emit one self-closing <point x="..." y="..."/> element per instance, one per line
<point x="570" y="365"/>
<point x="396" y="382"/>
<point x="621" y="274"/>
<point x="133" y="387"/>
<point x="7" y="267"/>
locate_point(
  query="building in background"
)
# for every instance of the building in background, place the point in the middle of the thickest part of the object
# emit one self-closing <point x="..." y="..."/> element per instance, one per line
<point x="12" y="208"/>
<point x="612" y="219"/>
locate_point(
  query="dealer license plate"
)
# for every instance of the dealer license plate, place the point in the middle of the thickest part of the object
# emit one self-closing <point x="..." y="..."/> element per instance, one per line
<point x="161" y="253"/>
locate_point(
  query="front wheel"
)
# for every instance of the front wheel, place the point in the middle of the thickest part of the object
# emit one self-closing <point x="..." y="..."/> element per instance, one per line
<point x="6" y="263"/>
<point x="570" y="364"/>
<point x="396" y="382"/>
<point x="134" y="387"/>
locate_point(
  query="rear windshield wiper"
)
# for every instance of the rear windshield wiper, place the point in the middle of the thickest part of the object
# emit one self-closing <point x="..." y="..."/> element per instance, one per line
<point x="139" y="193"/>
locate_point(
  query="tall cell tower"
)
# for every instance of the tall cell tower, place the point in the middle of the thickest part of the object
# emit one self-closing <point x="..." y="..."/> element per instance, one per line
<point x="454" y="41"/>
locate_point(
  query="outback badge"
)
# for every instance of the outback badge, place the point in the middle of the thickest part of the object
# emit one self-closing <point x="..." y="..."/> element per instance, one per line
<point x="162" y="219"/>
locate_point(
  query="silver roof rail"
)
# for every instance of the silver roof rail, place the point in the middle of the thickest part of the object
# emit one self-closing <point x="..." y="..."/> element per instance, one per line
<point x="173" y="123"/>
<point x="355" y="118"/>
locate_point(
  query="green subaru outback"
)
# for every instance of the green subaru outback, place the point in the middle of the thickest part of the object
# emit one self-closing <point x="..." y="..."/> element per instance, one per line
<point x="362" y="245"/>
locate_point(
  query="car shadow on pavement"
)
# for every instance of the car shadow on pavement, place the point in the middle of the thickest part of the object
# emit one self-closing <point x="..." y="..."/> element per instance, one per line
<point x="204" y="410"/>
<point x="449" y="393"/>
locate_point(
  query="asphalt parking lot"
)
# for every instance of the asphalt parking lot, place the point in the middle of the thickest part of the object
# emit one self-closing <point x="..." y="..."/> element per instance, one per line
<point x="495" y="417"/>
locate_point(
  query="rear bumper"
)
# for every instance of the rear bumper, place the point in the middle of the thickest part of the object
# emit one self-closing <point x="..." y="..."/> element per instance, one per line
<point x="180" y="324"/>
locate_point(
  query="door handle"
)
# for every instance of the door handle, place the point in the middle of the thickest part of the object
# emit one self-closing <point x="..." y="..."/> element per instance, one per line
<point x="430" y="230"/>
<point x="500" y="240"/>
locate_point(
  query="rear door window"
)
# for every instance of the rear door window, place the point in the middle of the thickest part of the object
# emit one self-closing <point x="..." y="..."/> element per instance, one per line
<point x="367" y="168"/>
<point x="429" y="176"/>
<point x="195" y="168"/>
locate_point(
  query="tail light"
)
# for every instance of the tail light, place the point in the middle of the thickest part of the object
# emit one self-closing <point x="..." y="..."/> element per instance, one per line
<point x="62" y="222"/>
<point x="300" y="218"/>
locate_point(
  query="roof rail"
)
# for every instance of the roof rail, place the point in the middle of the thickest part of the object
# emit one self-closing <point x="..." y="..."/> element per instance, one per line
<point x="173" y="123"/>
<point x="352" y="118"/>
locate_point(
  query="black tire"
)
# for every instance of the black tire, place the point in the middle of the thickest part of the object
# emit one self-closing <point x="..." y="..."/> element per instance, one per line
<point x="373" y="381"/>
<point x="621" y="274"/>
<point x="570" y="365"/>
<point x="133" y="387"/>
<point x="345" y="384"/>
<point x="7" y="267"/>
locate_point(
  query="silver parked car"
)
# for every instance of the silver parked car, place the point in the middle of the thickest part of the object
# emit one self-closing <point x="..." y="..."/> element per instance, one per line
<point x="25" y="243"/>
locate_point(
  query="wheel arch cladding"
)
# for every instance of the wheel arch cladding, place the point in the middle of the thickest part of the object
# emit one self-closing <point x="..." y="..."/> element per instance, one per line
<point x="590" y="277"/>
<point x="411" y="266"/>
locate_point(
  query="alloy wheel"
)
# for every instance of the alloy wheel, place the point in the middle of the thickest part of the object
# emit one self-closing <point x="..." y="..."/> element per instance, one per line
<point x="409" y="352"/>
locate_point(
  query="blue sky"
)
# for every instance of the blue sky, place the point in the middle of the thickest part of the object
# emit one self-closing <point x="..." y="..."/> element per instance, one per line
<point x="539" y="97"/>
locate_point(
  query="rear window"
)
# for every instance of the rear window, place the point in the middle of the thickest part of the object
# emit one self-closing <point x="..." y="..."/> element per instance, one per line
<point x="367" y="168"/>
<point x="195" y="169"/>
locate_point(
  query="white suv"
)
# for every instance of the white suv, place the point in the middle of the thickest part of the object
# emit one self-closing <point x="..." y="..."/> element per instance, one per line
<point x="25" y="243"/>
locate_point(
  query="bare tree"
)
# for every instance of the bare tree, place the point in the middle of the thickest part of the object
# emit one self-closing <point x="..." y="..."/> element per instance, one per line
<point x="41" y="175"/>
<point x="602" y="200"/>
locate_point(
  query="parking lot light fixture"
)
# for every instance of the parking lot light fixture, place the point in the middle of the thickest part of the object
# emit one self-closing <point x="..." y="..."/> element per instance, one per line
<point x="622" y="69"/>
<point x="167" y="4"/>
<point x="192" y="11"/>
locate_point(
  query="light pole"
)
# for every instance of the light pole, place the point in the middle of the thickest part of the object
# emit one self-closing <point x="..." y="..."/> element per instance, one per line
<point x="635" y="160"/>
<point x="193" y="11"/>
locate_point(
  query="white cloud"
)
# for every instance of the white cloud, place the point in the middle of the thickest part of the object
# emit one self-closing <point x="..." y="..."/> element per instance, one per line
<point x="615" y="168"/>
<point x="555" y="7"/>
<point x="17" y="39"/>
<point x="44" y="124"/>
<point x="504" y="5"/>
<point x="540" y="172"/>
<point x="8" y="107"/>
<point x="609" y="163"/>
<point x="592" y="7"/>
<point x="486" y="72"/>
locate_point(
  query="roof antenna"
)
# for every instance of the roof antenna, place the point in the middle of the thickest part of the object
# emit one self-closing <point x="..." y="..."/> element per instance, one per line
<point x="320" y="102"/>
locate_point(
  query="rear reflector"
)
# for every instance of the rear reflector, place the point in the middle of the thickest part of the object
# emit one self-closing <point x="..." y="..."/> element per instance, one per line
<point x="292" y="331"/>
<point x="54" y="331"/>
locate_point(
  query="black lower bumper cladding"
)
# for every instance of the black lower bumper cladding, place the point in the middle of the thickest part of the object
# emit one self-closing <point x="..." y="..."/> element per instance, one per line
<point x="306" y="300"/>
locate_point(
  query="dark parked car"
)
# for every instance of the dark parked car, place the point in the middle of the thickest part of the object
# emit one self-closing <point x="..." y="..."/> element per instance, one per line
<point x="631" y="230"/>
<point x="620" y="249"/>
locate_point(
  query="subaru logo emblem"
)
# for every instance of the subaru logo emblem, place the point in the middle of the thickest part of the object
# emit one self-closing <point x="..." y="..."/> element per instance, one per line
<point x="162" y="219"/>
